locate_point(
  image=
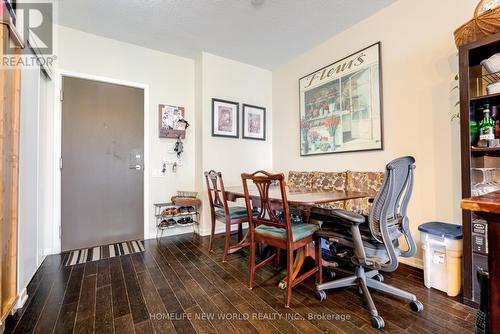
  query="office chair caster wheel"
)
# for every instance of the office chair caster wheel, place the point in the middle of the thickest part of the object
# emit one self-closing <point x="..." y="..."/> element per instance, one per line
<point x="378" y="322"/>
<point x="330" y="274"/>
<point x="416" y="306"/>
<point x="321" y="295"/>
<point x="282" y="285"/>
<point x="378" y="277"/>
<point x="360" y="291"/>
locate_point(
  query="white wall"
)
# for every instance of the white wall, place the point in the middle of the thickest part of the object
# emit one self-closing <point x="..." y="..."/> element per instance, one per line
<point x="226" y="79"/>
<point x="419" y="62"/>
<point x="170" y="80"/>
<point x="28" y="228"/>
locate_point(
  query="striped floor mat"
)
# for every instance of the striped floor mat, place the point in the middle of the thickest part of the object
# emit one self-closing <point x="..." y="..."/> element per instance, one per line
<point x="104" y="252"/>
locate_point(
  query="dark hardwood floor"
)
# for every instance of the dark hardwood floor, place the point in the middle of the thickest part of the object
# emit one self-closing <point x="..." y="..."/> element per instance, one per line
<point x="177" y="286"/>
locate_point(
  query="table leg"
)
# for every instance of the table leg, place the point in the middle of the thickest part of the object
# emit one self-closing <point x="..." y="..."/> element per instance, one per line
<point x="297" y="265"/>
<point x="302" y="253"/>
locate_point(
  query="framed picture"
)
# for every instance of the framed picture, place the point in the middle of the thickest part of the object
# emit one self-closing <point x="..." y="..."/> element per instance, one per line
<point x="254" y="122"/>
<point x="171" y="121"/>
<point x="341" y="105"/>
<point x="225" y="118"/>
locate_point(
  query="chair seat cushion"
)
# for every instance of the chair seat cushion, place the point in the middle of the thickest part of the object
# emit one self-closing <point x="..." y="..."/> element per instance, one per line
<point x="299" y="231"/>
<point x="236" y="212"/>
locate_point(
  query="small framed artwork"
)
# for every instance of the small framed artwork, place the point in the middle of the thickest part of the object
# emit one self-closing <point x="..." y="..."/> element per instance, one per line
<point x="171" y="121"/>
<point x="225" y="118"/>
<point x="254" y="122"/>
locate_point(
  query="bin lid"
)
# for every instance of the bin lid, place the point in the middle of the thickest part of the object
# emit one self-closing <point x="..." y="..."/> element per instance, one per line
<point x="443" y="230"/>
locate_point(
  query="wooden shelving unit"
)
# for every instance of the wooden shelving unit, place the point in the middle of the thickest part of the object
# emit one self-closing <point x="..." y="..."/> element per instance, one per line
<point x="473" y="96"/>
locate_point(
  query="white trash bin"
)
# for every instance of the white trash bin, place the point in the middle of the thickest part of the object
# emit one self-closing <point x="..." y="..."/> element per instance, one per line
<point x="442" y="249"/>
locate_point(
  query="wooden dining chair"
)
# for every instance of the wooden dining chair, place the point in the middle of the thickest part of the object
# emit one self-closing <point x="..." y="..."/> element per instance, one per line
<point x="221" y="211"/>
<point x="278" y="232"/>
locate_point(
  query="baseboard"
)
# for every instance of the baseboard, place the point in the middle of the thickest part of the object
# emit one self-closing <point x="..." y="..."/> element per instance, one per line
<point x="412" y="261"/>
<point x="47" y="251"/>
<point x="21" y="300"/>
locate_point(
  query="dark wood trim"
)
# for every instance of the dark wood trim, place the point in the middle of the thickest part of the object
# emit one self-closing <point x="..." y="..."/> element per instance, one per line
<point x="237" y="118"/>
<point x="466" y="160"/>
<point x="243" y="122"/>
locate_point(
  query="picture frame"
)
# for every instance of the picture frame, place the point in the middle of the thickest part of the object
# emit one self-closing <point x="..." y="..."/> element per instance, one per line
<point x="171" y="121"/>
<point x="340" y="105"/>
<point x="254" y="122"/>
<point x="225" y="118"/>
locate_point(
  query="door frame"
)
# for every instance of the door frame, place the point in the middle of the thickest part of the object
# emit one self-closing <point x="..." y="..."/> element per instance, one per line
<point x="57" y="241"/>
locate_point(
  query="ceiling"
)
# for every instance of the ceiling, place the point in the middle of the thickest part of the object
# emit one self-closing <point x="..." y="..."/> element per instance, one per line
<point x="264" y="33"/>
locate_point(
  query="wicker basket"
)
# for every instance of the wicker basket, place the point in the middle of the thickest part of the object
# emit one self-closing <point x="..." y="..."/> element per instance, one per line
<point x="480" y="26"/>
<point x="186" y="201"/>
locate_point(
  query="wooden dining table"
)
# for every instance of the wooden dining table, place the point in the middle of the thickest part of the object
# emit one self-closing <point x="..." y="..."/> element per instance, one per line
<point x="302" y="200"/>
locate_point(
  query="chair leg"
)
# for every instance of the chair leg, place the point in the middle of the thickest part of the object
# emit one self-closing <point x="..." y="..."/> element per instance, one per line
<point x="318" y="261"/>
<point x="277" y="258"/>
<point x="368" y="297"/>
<point x="240" y="232"/>
<point x="251" y="264"/>
<point x="338" y="283"/>
<point x="210" y="243"/>
<point x="289" y="278"/>
<point x="392" y="290"/>
<point x="226" y="242"/>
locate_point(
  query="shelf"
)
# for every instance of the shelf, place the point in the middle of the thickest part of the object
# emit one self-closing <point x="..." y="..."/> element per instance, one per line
<point x="485" y="97"/>
<point x="175" y="225"/>
<point x="176" y="215"/>
<point x="484" y="149"/>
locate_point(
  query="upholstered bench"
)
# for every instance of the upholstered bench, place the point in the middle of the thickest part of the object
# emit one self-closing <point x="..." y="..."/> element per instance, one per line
<point x="369" y="182"/>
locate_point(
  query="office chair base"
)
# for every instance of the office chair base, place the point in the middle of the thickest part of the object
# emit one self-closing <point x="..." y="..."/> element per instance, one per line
<point x="363" y="281"/>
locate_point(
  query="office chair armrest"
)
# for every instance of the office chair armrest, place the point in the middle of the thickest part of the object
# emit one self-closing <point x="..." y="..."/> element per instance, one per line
<point x="348" y="216"/>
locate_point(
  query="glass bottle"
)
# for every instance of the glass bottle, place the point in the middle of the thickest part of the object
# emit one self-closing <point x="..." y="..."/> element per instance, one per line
<point x="487" y="125"/>
<point x="495" y="113"/>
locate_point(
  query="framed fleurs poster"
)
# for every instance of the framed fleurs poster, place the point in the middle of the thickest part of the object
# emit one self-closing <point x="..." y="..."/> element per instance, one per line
<point x="254" y="122"/>
<point x="225" y="118"/>
<point x="172" y="123"/>
<point x="341" y="105"/>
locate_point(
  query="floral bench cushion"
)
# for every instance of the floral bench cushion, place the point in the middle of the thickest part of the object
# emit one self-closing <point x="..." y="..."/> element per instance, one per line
<point x="328" y="181"/>
<point x="300" y="180"/>
<point x="369" y="182"/>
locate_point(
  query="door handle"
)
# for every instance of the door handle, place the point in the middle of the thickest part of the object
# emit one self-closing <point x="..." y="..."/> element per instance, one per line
<point x="136" y="167"/>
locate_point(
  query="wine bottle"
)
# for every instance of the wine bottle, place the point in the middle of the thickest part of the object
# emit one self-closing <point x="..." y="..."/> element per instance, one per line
<point x="487" y="125"/>
<point x="495" y="113"/>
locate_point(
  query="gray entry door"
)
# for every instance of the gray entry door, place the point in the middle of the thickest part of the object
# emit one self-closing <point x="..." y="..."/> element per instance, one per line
<point x="102" y="163"/>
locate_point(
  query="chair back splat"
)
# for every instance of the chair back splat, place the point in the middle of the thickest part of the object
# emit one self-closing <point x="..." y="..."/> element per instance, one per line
<point x="216" y="193"/>
<point x="388" y="218"/>
<point x="267" y="211"/>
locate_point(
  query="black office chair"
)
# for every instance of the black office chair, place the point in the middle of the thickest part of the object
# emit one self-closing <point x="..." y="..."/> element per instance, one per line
<point x="377" y="249"/>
